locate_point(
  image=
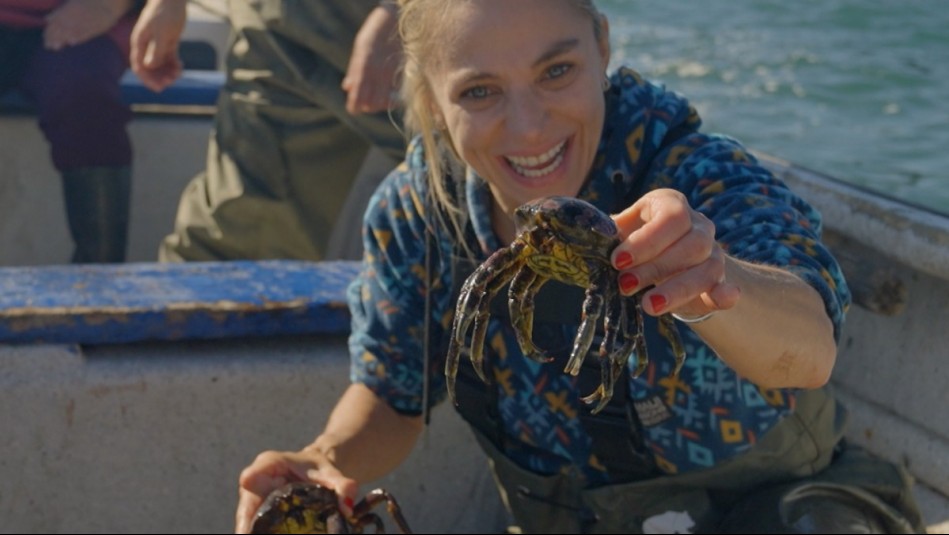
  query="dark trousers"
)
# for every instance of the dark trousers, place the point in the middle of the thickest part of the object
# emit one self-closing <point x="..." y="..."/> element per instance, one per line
<point x="76" y="94"/>
<point x="77" y="97"/>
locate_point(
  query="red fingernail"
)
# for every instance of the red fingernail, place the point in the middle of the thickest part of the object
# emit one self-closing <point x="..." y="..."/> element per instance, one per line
<point x="628" y="282"/>
<point x="623" y="260"/>
<point x="349" y="502"/>
<point x="658" y="302"/>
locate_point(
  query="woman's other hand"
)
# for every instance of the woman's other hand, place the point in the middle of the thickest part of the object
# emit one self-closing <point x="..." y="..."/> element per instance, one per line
<point x="273" y="469"/>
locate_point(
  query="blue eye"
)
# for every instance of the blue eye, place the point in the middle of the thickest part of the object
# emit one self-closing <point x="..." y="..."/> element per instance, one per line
<point x="558" y="70"/>
<point x="477" y="92"/>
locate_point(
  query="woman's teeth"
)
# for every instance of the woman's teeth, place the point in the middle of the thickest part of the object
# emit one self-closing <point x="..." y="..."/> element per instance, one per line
<point x="537" y="166"/>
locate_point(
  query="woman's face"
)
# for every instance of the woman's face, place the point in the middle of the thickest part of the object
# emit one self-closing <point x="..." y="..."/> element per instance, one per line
<point x="518" y="85"/>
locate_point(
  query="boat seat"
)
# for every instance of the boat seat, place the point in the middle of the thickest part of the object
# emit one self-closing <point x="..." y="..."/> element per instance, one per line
<point x="136" y="302"/>
<point x="194" y="93"/>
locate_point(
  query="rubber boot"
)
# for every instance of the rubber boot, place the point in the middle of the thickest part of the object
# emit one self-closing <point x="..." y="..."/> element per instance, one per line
<point x="813" y="508"/>
<point x="97" y="208"/>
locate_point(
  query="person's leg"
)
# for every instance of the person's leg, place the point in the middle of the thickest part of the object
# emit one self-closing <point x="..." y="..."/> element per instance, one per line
<point x="82" y="115"/>
<point x="17" y="47"/>
<point x="97" y="209"/>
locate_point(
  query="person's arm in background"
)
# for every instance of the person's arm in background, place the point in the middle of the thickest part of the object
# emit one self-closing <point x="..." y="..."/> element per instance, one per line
<point x="154" y="49"/>
<point x="77" y="21"/>
<point x="370" y="80"/>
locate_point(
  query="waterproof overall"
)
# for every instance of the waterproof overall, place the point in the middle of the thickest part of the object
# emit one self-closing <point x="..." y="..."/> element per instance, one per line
<point x="284" y="153"/>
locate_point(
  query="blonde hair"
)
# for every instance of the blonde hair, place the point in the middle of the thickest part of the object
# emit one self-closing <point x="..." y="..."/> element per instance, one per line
<point x="417" y="19"/>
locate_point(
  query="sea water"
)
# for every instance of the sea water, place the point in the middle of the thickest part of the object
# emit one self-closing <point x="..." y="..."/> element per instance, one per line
<point x="856" y="89"/>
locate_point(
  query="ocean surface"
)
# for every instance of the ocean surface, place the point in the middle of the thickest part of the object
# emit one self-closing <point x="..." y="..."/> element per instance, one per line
<point x="856" y="89"/>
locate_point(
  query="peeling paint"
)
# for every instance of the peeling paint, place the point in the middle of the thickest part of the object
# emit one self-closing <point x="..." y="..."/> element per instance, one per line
<point x="122" y="303"/>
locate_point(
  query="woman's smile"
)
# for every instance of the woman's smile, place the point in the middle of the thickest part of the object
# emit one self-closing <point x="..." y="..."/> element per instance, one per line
<point x="538" y="166"/>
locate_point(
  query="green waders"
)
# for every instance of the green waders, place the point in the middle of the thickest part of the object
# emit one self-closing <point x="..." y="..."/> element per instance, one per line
<point x="284" y="152"/>
<point x="797" y="479"/>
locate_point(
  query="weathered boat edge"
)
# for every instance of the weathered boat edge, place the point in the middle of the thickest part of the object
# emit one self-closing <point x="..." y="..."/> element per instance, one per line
<point x="891" y="370"/>
<point x="911" y="234"/>
<point x="133" y="302"/>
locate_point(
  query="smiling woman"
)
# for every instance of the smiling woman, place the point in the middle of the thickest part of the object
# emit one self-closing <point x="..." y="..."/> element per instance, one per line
<point x="507" y="103"/>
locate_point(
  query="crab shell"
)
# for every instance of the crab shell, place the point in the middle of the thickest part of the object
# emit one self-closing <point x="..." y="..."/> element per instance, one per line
<point x="305" y="507"/>
<point x="580" y="228"/>
<point x="300" y="508"/>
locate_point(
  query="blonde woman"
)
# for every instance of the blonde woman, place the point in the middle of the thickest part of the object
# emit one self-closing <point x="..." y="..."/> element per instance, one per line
<point x="511" y="101"/>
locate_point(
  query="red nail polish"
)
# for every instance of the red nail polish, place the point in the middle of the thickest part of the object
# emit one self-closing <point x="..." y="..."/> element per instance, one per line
<point x="628" y="282"/>
<point x="658" y="302"/>
<point x="349" y="502"/>
<point x="623" y="260"/>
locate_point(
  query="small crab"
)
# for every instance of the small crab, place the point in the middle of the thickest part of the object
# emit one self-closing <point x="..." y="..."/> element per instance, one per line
<point x="569" y="240"/>
<point x="303" y="507"/>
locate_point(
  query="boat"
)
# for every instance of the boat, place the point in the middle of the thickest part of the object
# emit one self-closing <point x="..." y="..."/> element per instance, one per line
<point x="131" y="395"/>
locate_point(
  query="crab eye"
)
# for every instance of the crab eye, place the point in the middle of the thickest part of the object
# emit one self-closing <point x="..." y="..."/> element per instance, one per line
<point x="521" y="219"/>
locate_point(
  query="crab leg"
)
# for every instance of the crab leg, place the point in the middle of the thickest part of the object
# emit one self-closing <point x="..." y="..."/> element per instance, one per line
<point x="476" y="351"/>
<point x="608" y="371"/>
<point x="476" y="294"/>
<point x="459" y="327"/>
<point x="520" y="302"/>
<point x="642" y="356"/>
<point x="622" y="353"/>
<point x="670" y="331"/>
<point x="616" y="326"/>
<point x="592" y="308"/>
<point x="362" y="517"/>
<point x="611" y="363"/>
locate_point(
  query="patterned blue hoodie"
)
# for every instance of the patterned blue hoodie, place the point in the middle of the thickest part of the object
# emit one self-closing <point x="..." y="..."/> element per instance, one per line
<point x="650" y="140"/>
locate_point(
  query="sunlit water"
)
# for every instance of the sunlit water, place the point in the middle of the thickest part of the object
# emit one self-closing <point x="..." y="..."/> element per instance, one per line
<point x="856" y="89"/>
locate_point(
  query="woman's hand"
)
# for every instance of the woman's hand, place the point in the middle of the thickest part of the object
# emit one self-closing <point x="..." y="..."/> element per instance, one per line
<point x="364" y="438"/>
<point x="273" y="469"/>
<point x="771" y="326"/>
<point x="668" y="244"/>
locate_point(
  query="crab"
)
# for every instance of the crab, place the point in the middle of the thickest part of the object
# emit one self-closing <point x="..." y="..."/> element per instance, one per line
<point x="568" y="240"/>
<point x="304" y="507"/>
